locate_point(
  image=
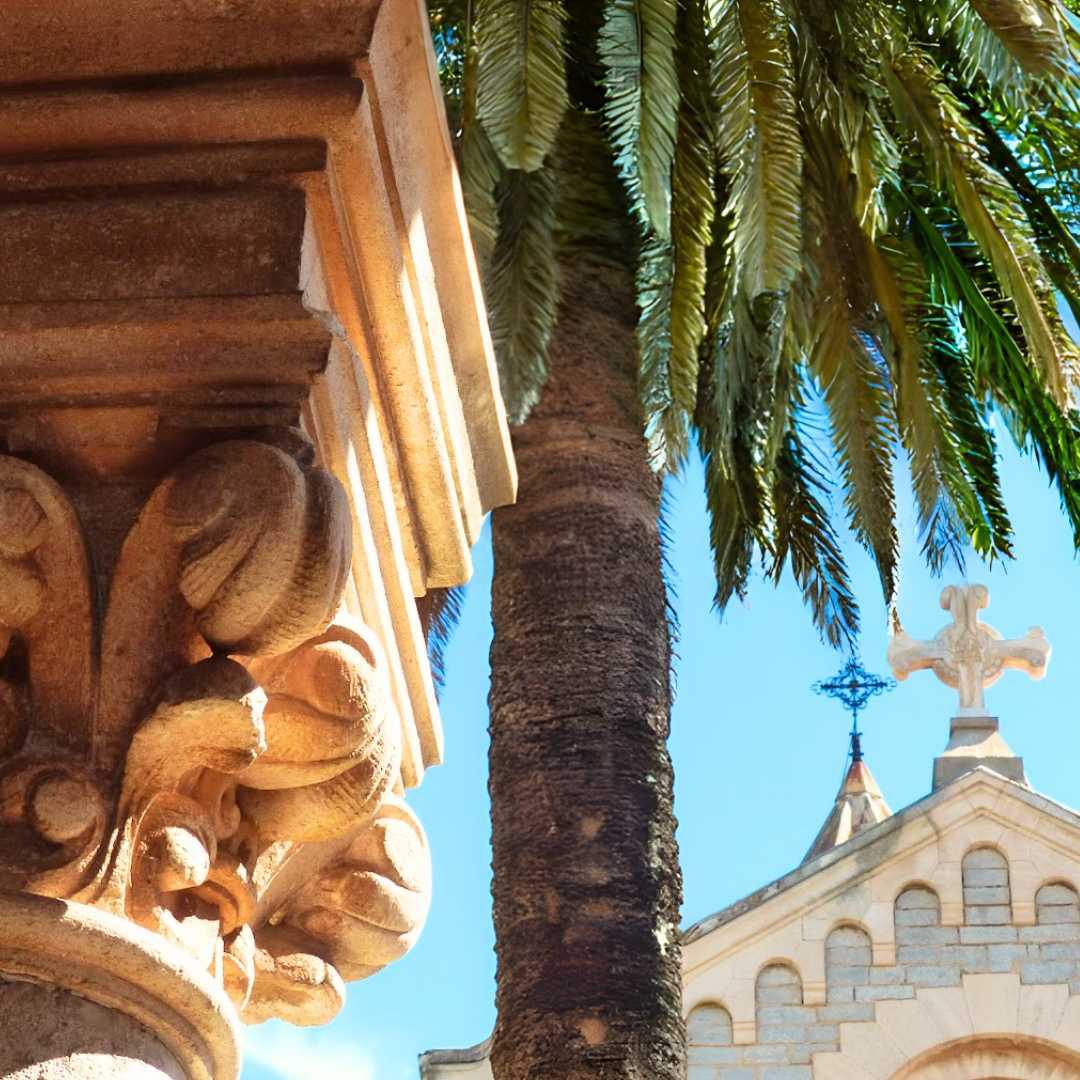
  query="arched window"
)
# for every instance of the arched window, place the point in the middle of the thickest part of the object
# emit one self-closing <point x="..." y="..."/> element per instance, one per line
<point x="778" y="984"/>
<point x="848" y="956"/>
<point x="987" y="898"/>
<point x="917" y="907"/>
<point x="707" y="1026"/>
<point x="1057" y="905"/>
<point x="780" y="1014"/>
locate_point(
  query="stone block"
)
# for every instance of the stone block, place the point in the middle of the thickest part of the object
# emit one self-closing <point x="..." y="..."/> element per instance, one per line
<point x="916" y="916"/>
<point x="887" y="976"/>
<point x="824" y="1033"/>
<point x="1047" y="971"/>
<point x="847" y="936"/>
<point x="847" y="955"/>
<point x="715" y="1055"/>
<point x="778" y="995"/>
<point x="1057" y="894"/>
<point x="884" y="993"/>
<point x="1008" y="957"/>
<point x="983" y="859"/>
<point x="917" y="898"/>
<point x="839" y="995"/>
<point x="734" y="1074"/>
<point x="856" y="975"/>
<point x="934" y="975"/>
<point x="707" y="1072"/>
<point x="765" y="1053"/>
<point x="786" y="1014"/>
<point x="847" y="1012"/>
<point x="777" y="975"/>
<point x="987" y="894"/>
<point x="988" y="935"/>
<point x="927" y="935"/>
<point x="1042" y="934"/>
<point x="973" y="958"/>
<point x="991" y="915"/>
<point x="985" y="878"/>
<point x="1051" y="914"/>
<point x="1063" y="950"/>
<point x="788" y="1072"/>
<point x="781" y="1033"/>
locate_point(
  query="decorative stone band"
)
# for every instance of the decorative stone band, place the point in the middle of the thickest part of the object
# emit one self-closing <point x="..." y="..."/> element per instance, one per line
<point x="127" y="969"/>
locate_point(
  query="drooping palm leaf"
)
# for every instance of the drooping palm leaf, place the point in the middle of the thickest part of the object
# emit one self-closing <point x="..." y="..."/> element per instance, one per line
<point x="990" y="209"/>
<point x="758" y="140"/>
<point x="641" y="85"/>
<point x="881" y="194"/>
<point x="1029" y="29"/>
<point x="521" y="77"/>
<point x="806" y="537"/>
<point x="523" y="286"/>
<point x="693" y="212"/>
<point x="480" y="167"/>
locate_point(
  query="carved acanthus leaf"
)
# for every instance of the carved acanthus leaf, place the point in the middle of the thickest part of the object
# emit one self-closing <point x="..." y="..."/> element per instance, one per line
<point x="176" y="802"/>
<point x="333" y="738"/>
<point x="265" y="544"/>
<point x="45" y="603"/>
<point x="367" y="909"/>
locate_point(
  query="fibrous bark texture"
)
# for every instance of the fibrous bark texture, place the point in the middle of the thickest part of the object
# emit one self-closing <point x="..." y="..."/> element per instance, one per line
<point x="586" y="879"/>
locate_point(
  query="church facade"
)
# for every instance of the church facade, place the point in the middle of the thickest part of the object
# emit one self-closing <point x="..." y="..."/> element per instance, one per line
<point x="941" y="942"/>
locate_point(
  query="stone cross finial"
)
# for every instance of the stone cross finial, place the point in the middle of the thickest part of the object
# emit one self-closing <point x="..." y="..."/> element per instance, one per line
<point x="969" y="655"/>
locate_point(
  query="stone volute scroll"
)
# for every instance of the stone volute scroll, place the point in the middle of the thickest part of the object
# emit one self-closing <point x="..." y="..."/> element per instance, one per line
<point x="970" y="655"/>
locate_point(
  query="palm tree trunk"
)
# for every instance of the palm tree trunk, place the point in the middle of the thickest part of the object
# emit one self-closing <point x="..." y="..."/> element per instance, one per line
<point x="586" y="880"/>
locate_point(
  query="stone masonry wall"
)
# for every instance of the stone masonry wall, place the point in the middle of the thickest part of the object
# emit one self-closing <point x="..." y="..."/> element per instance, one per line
<point x="927" y="954"/>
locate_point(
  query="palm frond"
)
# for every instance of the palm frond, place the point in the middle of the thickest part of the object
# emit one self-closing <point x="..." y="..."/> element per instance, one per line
<point x="665" y="424"/>
<point x="693" y="211"/>
<point x="641" y="86"/>
<point x="523" y="288"/>
<point x="990" y="209"/>
<point x="805" y="536"/>
<point x="521" y="77"/>
<point x="480" y="168"/>
<point x="758" y="140"/>
<point x="1029" y="29"/>
<point x="953" y="461"/>
<point x="1037" y="422"/>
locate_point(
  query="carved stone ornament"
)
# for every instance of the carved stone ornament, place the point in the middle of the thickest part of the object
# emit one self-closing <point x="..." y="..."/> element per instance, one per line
<point x="210" y="751"/>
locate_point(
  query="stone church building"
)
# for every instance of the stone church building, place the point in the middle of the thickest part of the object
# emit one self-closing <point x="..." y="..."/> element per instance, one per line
<point x="940" y="942"/>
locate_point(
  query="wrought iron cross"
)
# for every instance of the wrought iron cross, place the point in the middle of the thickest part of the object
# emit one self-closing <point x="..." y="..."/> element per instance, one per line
<point x="853" y="686"/>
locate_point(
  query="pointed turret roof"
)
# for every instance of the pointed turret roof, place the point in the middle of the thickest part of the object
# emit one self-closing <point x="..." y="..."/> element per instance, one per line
<point x="859" y="804"/>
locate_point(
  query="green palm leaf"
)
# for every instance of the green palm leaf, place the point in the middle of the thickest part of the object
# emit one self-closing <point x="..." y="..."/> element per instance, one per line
<point x="480" y="168"/>
<point x="990" y="209"/>
<point x="758" y="140"/>
<point x="805" y="535"/>
<point x="523" y="287"/>
<point x="693" y="212"/>
<point x="641" y="87"/>
<point x="521" y="79"/>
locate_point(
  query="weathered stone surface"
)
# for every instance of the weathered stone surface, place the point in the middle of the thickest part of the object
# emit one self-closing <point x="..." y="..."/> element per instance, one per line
<point x="48" y="1033"/>
<point x="248" y="416"/>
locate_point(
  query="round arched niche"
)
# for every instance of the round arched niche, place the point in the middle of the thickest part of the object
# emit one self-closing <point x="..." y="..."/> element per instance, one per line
<point x="1006" y="1057"/>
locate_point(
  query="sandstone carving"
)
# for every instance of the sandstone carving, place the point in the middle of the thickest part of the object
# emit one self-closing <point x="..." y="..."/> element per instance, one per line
<point x="969" y="655"/>
<point x="222" y="769"/>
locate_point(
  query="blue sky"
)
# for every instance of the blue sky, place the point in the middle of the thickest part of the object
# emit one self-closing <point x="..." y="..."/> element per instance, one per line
<point x="758" y="758"/>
